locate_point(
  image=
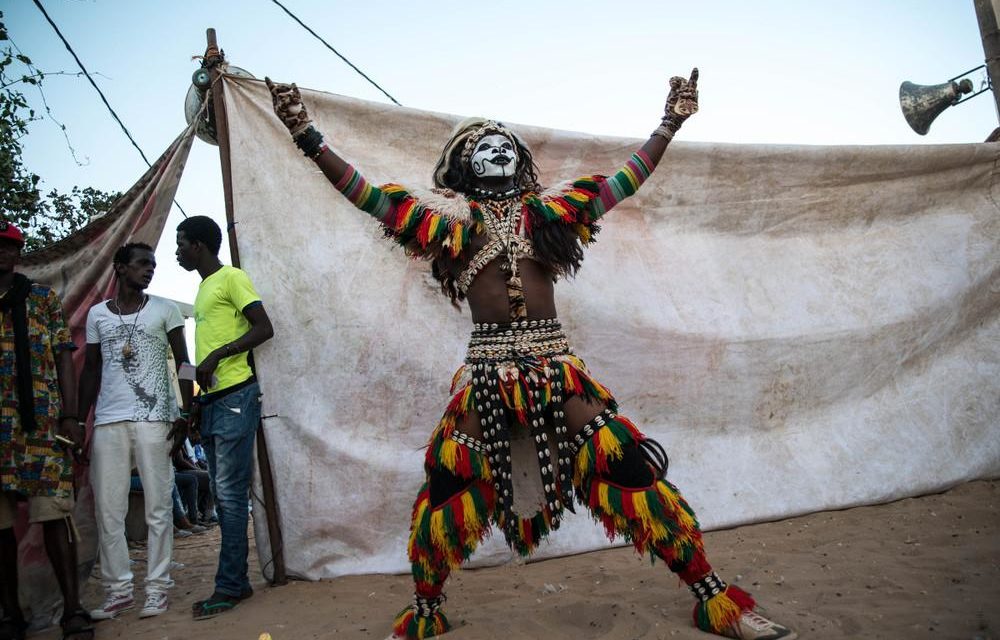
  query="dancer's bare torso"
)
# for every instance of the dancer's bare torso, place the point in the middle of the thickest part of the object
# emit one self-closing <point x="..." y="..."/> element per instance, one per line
<point x="487" y="296"/>
<point x="488" y="302"/>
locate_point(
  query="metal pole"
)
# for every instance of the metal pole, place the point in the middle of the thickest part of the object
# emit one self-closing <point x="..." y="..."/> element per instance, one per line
<point x="214" y="59"/>
<point x="990" y="31"/>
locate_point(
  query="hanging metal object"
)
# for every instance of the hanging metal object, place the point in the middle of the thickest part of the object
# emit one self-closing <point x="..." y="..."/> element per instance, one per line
<point x="201" y="80"/>
<point x="922" y="103"/>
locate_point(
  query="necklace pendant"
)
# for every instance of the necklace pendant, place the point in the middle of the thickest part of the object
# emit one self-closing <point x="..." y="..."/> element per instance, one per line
<point x="127" y="351"/>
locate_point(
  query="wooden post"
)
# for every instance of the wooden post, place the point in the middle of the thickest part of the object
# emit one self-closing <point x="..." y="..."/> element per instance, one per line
<point x="214" y="59"/>
<point x="989" y="30"/>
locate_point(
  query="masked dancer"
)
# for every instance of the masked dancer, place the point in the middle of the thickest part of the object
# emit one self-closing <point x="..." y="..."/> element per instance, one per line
<point x="523" y="400"/>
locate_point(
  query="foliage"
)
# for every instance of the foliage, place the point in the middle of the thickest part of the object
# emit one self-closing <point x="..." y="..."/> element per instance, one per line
<point x="54" y="215"/>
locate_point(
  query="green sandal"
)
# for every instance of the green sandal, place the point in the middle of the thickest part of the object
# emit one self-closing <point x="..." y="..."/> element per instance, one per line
<point x="243" y="596"/>
<point x="217" y="604"/>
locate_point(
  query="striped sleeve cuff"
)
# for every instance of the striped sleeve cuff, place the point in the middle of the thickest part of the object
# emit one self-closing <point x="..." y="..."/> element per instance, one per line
<point x="363" y="195"/>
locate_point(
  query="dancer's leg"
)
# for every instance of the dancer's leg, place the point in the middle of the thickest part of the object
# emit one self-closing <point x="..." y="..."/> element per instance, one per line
<point x="617" y="483"/>
<point x="451" y="515"/>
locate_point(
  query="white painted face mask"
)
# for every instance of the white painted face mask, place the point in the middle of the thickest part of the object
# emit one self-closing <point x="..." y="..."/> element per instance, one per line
<point x="494" y="157"/>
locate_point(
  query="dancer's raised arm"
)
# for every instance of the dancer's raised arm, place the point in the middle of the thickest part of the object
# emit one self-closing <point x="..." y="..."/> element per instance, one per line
<point x="287" y="102"/>
<point x="682" y="103"/>
<point x="584" y="200"/>
<point x="420" y="229"/>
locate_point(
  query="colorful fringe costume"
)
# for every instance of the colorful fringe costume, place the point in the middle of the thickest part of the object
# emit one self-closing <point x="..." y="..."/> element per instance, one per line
<point x="507" y="408"/>
<point x="516" y="380"/>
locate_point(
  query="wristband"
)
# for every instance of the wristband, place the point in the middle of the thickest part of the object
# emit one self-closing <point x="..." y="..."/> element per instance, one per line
<point x="310" y="142"/>
<point x="667" y="129"/>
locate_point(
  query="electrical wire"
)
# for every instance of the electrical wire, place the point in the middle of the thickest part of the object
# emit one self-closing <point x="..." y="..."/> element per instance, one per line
<point x="328" y="46"/>
<point x="79" y="63"/>
<point x="94" y="84"/>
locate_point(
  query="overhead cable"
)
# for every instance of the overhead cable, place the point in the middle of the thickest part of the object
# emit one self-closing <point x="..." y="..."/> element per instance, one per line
<point x="86" y="73"/>
<point x="328" y="46"/>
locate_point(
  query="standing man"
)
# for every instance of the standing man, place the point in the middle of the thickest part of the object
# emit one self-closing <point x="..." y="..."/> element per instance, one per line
<point x="229" y="321"/>
<point x="37" y="404"/>
<point x="126" y="371"/>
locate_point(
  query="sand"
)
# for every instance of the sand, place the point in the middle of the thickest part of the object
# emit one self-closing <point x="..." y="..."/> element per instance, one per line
<point x="925" y="567"/>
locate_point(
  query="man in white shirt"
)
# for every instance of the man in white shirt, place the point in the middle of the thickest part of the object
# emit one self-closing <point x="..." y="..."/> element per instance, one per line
<point x="136" y="415"/>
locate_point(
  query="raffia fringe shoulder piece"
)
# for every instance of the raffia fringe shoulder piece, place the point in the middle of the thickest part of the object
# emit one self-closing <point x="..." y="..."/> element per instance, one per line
<point x="427" y="222"/>
<point x="444" y="202"/>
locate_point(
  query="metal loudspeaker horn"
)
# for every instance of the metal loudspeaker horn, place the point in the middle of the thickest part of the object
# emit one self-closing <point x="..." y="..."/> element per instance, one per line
<point x="922" y="103"/>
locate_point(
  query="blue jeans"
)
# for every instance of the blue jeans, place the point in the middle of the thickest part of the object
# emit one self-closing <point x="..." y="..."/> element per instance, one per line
<point x="185" y="496"/>
<point x="228" y="430"/>
<point x="175" y="496"/>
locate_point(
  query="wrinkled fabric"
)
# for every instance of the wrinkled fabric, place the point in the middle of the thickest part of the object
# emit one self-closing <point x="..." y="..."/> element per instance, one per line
<point x="802" y="328"/>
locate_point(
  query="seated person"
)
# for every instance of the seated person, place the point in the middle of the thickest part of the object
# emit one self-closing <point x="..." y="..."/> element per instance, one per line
<point x="183" y="527"/>
<point x="203" y="511"/>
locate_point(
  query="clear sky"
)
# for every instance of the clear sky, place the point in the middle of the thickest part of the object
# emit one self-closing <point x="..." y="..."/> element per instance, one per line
<point x="777" y="72"/>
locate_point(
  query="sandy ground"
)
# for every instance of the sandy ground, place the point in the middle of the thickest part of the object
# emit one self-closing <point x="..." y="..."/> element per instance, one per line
<point x="924" y="567"/>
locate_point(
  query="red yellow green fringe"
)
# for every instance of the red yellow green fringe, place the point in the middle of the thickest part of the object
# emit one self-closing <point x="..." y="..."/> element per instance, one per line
<point x="568" y="205"/>
<point x="722" y="610"/>
<point x="655" y="519"/>
<point x="413" y="627"/>
<point x="605" y="445"/>
<point x="421" y="230"/>
<point x="442" y="537"/>
<point x="530" y="531"/>
<point x="517" y="394"/>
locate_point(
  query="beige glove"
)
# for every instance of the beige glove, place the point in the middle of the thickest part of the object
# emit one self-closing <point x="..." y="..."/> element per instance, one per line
<point x="682" y="103"/>
<point x="287" y="102"/>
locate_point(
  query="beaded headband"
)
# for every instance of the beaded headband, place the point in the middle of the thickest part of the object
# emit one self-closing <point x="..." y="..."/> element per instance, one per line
<point x="463" y="142"/>
<point x="490" y="126"/>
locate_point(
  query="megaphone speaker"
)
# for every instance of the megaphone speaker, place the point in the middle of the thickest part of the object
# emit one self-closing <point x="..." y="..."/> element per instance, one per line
<point x="922" y="103"/>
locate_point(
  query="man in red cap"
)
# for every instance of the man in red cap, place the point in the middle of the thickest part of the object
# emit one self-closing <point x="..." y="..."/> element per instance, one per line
<point x="37" y="403"/>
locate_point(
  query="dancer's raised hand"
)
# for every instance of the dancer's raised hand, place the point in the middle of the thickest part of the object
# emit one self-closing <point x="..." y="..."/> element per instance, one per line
<point x="287" y="103"/>
<point x="682" y="101"/>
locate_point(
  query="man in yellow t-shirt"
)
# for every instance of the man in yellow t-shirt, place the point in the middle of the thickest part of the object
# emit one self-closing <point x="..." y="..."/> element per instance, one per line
<point x="229" y="321"/>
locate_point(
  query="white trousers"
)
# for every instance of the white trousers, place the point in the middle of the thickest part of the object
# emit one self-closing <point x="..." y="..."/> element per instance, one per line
<point x="110" y="472"/>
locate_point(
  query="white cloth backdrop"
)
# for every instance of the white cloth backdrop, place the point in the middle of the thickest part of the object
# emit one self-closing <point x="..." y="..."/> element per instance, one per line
<point x="803" y="328"/>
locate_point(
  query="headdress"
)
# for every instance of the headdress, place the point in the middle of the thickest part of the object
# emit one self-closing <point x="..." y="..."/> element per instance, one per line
<point x="465" y="135"/>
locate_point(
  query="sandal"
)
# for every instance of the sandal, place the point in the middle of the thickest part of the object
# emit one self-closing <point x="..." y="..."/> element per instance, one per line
<point x="12" y="628"/>
<point x="77" y="625"/>
<point x="217" y="604"/>
<point x="243" y="596"/>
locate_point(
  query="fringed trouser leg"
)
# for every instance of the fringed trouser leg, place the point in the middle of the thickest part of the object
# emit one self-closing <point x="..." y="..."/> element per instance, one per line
<point x="451" y="516"/>
<point x="613" y="479"/>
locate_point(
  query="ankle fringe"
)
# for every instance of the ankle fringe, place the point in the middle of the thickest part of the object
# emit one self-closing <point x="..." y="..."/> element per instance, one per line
<point x="413" y="627"/>
<point x="722" y="610"/>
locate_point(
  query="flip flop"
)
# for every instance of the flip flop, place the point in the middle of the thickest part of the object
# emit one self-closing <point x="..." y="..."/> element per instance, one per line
<point x="217" y="604"/>
<point x="243" y="596"/>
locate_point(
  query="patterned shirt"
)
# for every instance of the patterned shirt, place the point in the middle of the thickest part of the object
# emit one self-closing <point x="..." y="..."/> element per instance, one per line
<point x="33" y="464"/>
